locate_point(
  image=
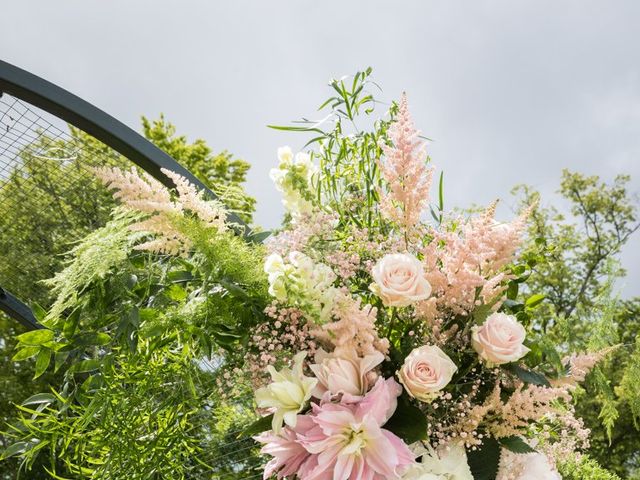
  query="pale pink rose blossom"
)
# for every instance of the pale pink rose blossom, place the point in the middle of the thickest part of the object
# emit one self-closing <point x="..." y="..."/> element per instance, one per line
<point x="349" y="443"/>
<point x="343" y="374"/>
<point x="426" y="371"/>
<point x="399" y="280"/>
<point x="499" y="339"/>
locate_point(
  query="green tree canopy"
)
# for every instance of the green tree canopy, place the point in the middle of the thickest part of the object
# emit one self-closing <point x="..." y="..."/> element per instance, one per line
<point x="577" y="272"/>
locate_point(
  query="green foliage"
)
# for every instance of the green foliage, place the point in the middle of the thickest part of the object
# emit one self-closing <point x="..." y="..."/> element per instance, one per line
<point x="348" y="142"/>
<point x="629" y="389"/>
<point x="98" y="312"/>
<point x="574" y="264"/>
<point x="579" y="249"/>
<point x="408" y="422"/>
<point x="130" y="331"/>
<point x="94" y="258"/>
<point x="582" y="468"/>
<point x="484" y="461"/>
<point x="515" y="444"/>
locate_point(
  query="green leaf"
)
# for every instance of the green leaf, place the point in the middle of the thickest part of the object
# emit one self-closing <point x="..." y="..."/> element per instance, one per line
<point x="516" y="444"/>
<point x="71" y="324"/>
<point x="235" y="290"/>
<point x="15" y="449"/>
<point x="259" y="237"/>
<point x="36" y="337"/>
<point x="42" y="362"/>
<point x="408" y="422"/>
<point x="180" y="276"/>
<point x="528" y="376"/>
<point x="176" y="293"/>
<point x="92" y="339"/>
<point x="40" y="398"/>
<point x="38" y="312"/>
<point x="534" y="300"/>
<point x="59" y="359"/>
<point x="261" y="425"/>
<point x="85" y="366"/>
<point x="24" y="353"/>
<point x="441" y="192"/>
<point x="484" y="461"/>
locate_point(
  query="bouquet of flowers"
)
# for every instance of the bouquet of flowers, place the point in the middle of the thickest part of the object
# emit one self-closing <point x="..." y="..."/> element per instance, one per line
<point x="394" y="343"/>
<point x="378" y="335"/>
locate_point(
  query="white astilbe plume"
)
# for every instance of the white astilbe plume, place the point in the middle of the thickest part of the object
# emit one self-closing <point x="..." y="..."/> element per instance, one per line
<point x="141" y="192"/>
<point x="405" y="172"/>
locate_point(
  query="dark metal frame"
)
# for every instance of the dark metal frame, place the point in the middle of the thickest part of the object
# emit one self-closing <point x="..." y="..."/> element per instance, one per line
<point x="17" y="310"/>
<point x="113" y="133"/>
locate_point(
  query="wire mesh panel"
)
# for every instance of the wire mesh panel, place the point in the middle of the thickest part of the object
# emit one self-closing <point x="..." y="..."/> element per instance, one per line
<point x="49" y="199"/>
<point x="48" y="195"/>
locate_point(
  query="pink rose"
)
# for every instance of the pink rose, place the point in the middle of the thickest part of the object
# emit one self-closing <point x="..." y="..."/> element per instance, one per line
<point x="499" y="339"/>
<point x="425" y="372"/>
<point x="399" y="280"/>
<point x="347" y="375"/>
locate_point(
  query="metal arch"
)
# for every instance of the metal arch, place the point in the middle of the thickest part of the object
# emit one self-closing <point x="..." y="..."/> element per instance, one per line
<point x="113" y="133"/>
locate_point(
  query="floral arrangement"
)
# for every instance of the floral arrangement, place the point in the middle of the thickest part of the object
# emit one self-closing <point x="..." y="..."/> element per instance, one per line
<point x="401" y="347"/>
<point x="375" y="336"/>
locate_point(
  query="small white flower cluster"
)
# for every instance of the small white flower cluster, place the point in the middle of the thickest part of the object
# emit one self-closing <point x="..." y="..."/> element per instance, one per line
<point x="302" y="282"/>
<point x="293" y="178"/>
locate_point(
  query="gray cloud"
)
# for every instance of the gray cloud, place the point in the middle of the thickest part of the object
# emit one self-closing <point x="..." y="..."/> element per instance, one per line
<point x="510" y="91"/>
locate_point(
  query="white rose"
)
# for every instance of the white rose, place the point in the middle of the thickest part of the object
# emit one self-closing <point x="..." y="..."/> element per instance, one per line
<point x="399" y="280"/>
<point x="448" y="463"/>
<point x="287" y="394"/>
<point x="529" y="466"/>
<point x="425" y="372"/>
<point x="499" y="339"/>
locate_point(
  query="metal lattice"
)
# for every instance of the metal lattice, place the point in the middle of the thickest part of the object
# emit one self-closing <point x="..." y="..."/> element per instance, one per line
<point x="41" y="161"/>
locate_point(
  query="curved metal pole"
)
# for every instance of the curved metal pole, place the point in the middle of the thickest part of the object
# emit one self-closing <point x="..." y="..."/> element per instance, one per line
<point x="18" y="310"/>
<point x="113" y="133"/>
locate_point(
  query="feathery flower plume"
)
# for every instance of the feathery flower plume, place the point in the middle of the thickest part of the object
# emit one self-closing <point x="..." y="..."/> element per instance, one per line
<point x="404" y="171"/>
<point x="143" y="193"/>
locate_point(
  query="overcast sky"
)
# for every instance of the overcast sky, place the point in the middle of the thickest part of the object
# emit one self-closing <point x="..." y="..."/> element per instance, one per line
<point x="510" y="91"/>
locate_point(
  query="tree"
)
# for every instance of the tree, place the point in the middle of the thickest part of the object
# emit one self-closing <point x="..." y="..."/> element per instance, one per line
<point x="54" y="201"/>
<point x="576" y="273"/>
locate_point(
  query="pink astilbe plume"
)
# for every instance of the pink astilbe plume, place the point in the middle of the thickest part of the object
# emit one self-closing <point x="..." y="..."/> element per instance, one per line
<point x="580" y="364"/>
<point x="461" y="261"/>
<point x="143" y="193"/>
<point x="211" y="212"/>
<point x="354" y="330"/>
<point x="404" y="171"/>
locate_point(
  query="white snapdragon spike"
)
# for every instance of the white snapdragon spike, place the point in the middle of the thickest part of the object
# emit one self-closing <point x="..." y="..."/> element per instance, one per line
<point x="287" y="394"/>
<point x="449" y="462"/>
<point x="293" y="178"/>
<point x="300" y="281"/>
